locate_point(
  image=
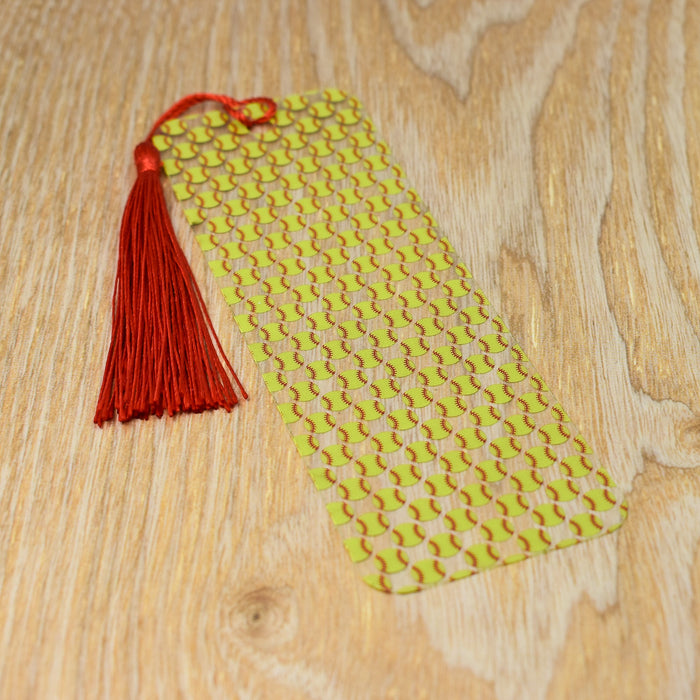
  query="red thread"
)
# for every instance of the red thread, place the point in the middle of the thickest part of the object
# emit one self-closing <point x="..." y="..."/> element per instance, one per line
<point x="164" y="354"/>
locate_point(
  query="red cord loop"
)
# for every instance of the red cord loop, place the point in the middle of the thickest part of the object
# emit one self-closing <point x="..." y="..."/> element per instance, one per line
<point x="234" y="108"/>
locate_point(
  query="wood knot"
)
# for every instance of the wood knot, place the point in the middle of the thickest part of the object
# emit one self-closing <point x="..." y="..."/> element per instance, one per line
<point x="689" y="437"/>
<point x="266" y="617"/>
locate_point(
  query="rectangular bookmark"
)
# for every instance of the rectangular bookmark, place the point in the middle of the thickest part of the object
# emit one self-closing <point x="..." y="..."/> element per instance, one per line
<point x="440" y="449"/>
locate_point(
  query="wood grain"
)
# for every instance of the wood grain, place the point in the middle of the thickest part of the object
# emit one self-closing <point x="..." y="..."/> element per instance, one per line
<point x="557" y="143"/>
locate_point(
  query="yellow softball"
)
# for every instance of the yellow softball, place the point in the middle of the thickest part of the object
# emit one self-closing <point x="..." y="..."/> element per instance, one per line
<point x="390" y="560"/>
<point x="444" y="545"/>
<point x="368" y="358"/>
<point x="512" y="372"/>
<point x="321" y="274"/>
<point x="536" y="382"/>
<point x="352" y="379"/>
<point x="418" y="397"/>
<point x="409" y="253"/>
<point x="493" y="343"/>
<point x="402" y="419"/>
<point x="540" y="457"/>
<point x="484" y="415"/>
<point x="456" y="288"/>
<point x="405" y="475"/>
<point x="560" y="414"/>
<point x="481" y="556"/>
<point x="470" y="438"/>
<point x="581" y="445"/>
<point x="443" y="307"/>
<point x="466" y="385"/>
<point x="603" y="478"/>
<point x="319" y="423"/>
<point x="414" y="347"/>
<point x="526" y="480"/>
<point x="424" y="509"/>
<point x="461" y="335"/>
<point x="400" y="367"/>
<point x="562" y="490"/>
<point x="291" y="412"/>
<point x="288" y="361"/>
<point x="385" y="388"/>
<point x="320" y="321"/>
<point x="436" y="428"/>
<point x="389" y="499"/>
<point x="476" y="495"/>
<point x="351" y="330"/>
<point x="408" y="534"/>
<point x="287" y="312"/>
<point x="387" y="441"/>
<point x="322" y="477"/>
<point x="396" y="272"/>
<point x="354" y="489"/>
<point x="599" y="499"/>
<point x="512" y="504"/>
<point x="290" y="267"/>
<point x="499" y="393"/>
<point x="505" y="447"/>
<point x="340" y="512"/>
<point x="320" y="370"/>
<point x="519" y="425"/>
<point x="554" y="433"/>
<point x="275" y="285"/>
<point x="447" y="355"/>
<point x="304" y="341"/>
<point x="440" y="484"/>
<point x="429" y="326"/>
<point x="460" y="520"/>
<point x="548" y="515"/>
<point x="421" y="451"/>
<point x="586" y="525"/>
<point x="576" y="466"/>
<point x="534" y="540"/>
<point x="490" y="470"/>
<point x="336" y="400"/>
<point x="497" y="529"/>
<point x="365" y="264"/>
<point x="335" y="301"/>
<point x="474" y="315"/>
<point x="455" y="461"/>
<point x="358" y="548"/>
<point x="379" y="245"/>
<point x="397" y="318"/>
<point x="335" y="349"/>
<point x="369" y="410"/>
<point x="452" y="407"/>
<point x="353" y="431"/>
<point x="428" y="571"/>
<point x="351" y="283"/>
<point x="275" y="381"/>
<point x="412" y="299"/>
<point x="336" y="455"/>
<point x="479" y="364"/>
<point x="370" y="465"/>
<point x="306" y="444"/>
<point x="372" y="524"/>
<point x="425" y="280"/>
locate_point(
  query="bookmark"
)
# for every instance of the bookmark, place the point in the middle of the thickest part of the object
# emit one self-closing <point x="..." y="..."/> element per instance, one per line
<point x="438" y="448"/>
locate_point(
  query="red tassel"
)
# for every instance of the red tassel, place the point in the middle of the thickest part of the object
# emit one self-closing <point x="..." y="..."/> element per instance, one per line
<point x="164" y="354"/>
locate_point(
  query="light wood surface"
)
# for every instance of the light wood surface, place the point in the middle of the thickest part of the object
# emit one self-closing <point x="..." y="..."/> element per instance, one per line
<point x="557" y="144"/>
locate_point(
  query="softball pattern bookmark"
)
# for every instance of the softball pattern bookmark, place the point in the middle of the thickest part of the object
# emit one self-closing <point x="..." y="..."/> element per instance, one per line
<point x="439" y="448"/>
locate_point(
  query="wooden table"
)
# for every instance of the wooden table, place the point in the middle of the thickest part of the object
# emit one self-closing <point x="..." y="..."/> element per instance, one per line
<point x="557" y="143"/>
